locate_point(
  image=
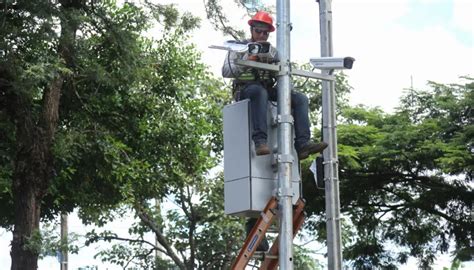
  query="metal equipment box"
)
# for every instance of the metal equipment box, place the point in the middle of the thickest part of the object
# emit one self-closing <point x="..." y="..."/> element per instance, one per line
<point x="249" y="180"/>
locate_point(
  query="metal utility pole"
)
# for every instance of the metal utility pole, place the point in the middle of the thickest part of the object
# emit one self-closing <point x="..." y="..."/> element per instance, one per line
<point x="285" y="127"/>
<point x="331" y="177"/>
<point x="285" y="157"/>
<point x="64" y="242"/>
<point x="158" y="253"/>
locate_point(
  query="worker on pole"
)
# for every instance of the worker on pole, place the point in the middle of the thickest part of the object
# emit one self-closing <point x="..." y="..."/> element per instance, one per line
<point x="259" y="86"/>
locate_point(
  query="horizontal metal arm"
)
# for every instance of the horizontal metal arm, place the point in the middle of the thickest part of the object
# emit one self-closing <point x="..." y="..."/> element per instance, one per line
<point x="276" y="68"/>
<point x="259" y="65"/>
<point x="314" y="75"/>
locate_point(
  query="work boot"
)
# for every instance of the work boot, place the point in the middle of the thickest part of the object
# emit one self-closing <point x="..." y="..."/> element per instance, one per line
<point x="262" y="149"/>
<point x="311" y="148"/>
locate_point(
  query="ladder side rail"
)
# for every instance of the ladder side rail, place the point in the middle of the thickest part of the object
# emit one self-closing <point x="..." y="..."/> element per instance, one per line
<point x="270" y="262"/>
<point x="256" y="235"/>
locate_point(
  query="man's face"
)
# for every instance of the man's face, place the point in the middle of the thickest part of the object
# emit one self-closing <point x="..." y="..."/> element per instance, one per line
<point x="260" y="33"/>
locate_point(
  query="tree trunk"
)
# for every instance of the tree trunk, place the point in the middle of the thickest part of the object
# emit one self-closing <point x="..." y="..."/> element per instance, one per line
<point x="24" y="251"/>
<point x="34" y="158"/>
<point x="33" y="171"/>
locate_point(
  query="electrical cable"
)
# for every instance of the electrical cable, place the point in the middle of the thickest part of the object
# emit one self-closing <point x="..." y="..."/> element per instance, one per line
<point x="230" y="66"/>
<point x="304" y="83"/>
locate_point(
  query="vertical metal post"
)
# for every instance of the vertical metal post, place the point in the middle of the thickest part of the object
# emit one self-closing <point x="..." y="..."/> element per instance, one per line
<point x="158" y="253"/>
<point x="285" y="128"/>
<point x="64" y="242"/>
<point x="333" y="225"/>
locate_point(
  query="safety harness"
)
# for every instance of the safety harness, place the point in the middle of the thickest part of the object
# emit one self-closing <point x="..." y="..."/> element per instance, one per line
<point x="252" y="76"/>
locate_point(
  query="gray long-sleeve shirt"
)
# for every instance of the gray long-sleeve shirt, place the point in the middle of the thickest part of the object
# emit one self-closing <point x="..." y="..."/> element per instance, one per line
<point x="232" y="70"/>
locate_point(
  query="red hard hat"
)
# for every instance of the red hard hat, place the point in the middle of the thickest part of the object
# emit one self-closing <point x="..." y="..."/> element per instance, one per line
<point x="264" y="17"/>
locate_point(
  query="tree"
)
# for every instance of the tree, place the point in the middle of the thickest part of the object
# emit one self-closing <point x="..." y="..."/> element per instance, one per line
<point x="406" y="178"/>
<point x="70" y="71"/>
<point x="401" y="163"/>
<point x="193" y="235"/>
<point x="32" y="81"/>
<point x="196" y="227"/>
<point x="188" y="132"/>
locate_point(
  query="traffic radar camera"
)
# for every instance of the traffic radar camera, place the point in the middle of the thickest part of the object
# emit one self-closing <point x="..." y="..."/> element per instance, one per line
<point x="327" y="63"/>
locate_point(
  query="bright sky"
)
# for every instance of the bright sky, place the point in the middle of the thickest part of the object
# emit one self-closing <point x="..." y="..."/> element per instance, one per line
<point x="392" y="41"/>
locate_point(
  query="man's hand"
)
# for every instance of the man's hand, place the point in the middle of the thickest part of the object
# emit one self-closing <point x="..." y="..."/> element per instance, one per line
<point x="252" y="57"/>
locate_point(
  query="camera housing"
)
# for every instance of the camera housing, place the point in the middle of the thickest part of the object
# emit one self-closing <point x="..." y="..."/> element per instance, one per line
<point x="264" y="50"/>
<point x="259" y="47"/>
<point x="326" y="63"/>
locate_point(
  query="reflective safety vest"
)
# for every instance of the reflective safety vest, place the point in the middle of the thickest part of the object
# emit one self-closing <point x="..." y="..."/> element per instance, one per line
<point x="257" y="75"/>
<point x="248" y="75"/>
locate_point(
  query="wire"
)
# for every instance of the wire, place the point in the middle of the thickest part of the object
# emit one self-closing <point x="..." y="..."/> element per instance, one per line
<point x="230" y="66"/>
<point x="304" y="83"/>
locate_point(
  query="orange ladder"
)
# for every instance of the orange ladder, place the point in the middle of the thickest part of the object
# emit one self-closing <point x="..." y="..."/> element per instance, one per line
<point x="257" y="234"/>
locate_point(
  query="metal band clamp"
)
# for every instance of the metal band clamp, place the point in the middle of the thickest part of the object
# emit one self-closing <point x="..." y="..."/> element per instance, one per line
<point x="330" y="178"/>
<point x="285" y="118"/>
<point x="331" y="161"/>
<point x="285" y="192"/>
<point x="285" y="158"/>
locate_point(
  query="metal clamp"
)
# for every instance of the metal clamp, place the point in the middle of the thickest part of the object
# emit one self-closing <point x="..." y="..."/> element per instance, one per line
<point x="331" y="161"/>
<point x="285" y="69"/>
<point x="285" y="158"/>
<point x="285" y="192"/>
<point x="285" y="118"/>
<point x="335" y="219"/>
<point x="274" y="120"/>
<point x="275" y="162"/>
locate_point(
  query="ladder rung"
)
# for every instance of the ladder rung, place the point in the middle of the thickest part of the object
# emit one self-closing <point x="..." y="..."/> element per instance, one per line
<point x="273" y="230"/>
<point x="263" y="255"/>
<point x="270" y="258"/>
<point x="298" y="219"/>
<point x="256" y="234"/>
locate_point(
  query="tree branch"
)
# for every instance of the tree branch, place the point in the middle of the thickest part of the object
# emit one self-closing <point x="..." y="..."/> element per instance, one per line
<point x="110" y="237"/>
<point x="218" y="19"/>
<point x="145" y="218"/>
<point x="430" y="210"/>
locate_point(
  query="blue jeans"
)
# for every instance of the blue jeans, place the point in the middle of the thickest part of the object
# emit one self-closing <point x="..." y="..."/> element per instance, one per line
<point x="259" y="97"/>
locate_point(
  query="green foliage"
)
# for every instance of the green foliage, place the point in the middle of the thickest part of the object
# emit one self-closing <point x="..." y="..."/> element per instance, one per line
<point x="131" y="118"/>
<point x="134" y="108"/>
<point x="406" y="178"/>
<point x="303" y="260"/>
<point x="139" y="118"/>
<point x="52" y="243"/>
<point x="34" y="242"/>
<point x="219" y="20"/>
<point x="312" y="89"/>
<point x="196" y="227"/>
<point x="113" y="72"/>
<point x="137" y="108"/>
<point x="227" y="231"/>
<point x="48" y="242"/>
